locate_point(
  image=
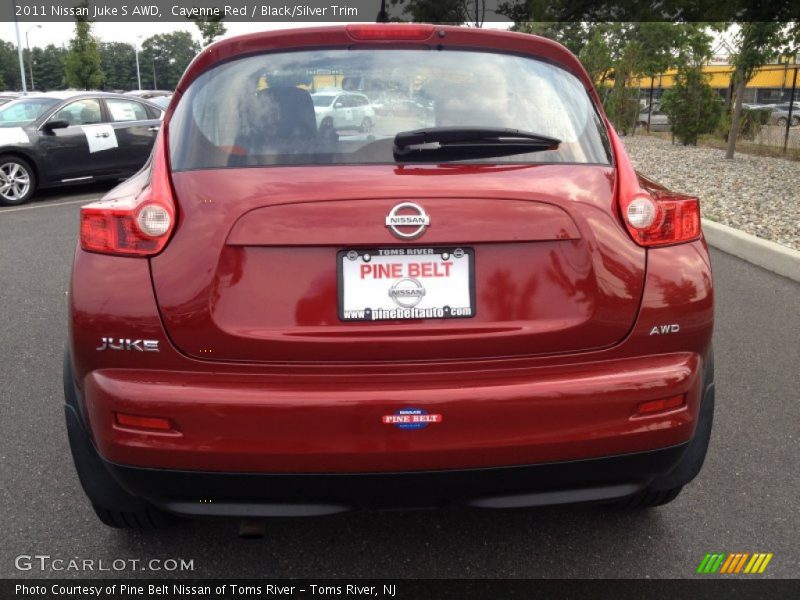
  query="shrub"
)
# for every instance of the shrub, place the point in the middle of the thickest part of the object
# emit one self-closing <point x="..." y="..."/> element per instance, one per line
<point x="692" y="105"/>
<point x="752" y="120"/>
<point x="622" y="107"/>
<point x="750" y="123"/>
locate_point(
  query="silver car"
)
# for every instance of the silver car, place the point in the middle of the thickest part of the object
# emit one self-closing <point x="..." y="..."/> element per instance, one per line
<point x="658" y="120"/>
<point x="339" y="111"/>
<point x="780" y="114"/>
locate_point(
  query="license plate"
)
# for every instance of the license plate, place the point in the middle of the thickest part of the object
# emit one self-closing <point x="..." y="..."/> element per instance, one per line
<point x="406" y="283"/>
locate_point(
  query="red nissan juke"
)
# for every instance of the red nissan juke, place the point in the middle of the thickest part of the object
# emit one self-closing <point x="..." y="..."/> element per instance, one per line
<point x="309" y="302"/>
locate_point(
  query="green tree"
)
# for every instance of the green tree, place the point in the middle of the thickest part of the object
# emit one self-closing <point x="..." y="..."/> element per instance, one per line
<point x="119" y="65"/>
<point x="9" y="66"/>
<point x="622" y="102"/>
<point x="453" y="12"/>
<point x="596" y="58"/>
<point x="210" y="28"/>
<point x="757" y="43"/>
<point x="692" y="105"/>
<point x="164" y="58"/>
<point x="572" y="35"/>
<point x="82" y="67"/>
<point x="620" y="52"/>
<point x="48" y="67"/>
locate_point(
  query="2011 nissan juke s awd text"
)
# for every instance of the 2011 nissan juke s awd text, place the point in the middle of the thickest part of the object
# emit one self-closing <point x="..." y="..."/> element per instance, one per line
<point x="476" y="302"/>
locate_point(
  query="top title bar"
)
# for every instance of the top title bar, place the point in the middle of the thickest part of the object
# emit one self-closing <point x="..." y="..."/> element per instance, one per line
<point x="177" y="11"/>
<point x="451" y="11"/>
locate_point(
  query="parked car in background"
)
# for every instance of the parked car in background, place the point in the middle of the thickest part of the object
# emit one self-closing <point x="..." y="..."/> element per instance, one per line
<point x="786" y="105"/>
<point x="401" y="107"/>
<point x="147" y="94"/>
<point x="6" y="97"/>
<point x="161" y="101"/>
<point x="60" y="138"/>
<point x="780" y="114"/>
<point x="659" y="121"/>
<point x="343" y="111"/>
<point x="495" y="310"/>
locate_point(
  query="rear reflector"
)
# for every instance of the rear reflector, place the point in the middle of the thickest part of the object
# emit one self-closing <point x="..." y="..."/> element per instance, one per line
<point x="396" y="31"/>
<point x="654" y="406"/>
<point x="140" y="422"/>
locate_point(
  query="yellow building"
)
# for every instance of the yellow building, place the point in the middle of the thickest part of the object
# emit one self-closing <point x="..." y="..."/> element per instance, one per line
<point x="771" y="83"/>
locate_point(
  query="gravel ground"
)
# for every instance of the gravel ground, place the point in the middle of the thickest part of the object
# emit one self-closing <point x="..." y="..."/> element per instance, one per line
<point x="759" y="195"/>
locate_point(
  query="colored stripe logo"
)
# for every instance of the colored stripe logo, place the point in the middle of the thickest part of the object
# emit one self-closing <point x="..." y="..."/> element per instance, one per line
<point x="734" y="563"/>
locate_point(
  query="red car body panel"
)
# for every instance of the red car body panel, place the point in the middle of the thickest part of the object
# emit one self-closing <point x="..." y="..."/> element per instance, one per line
<point x="505" y="411"/>
<point x="257" y="374"/>
<point x="323" y="425"/>
<point x="249" y="293"/>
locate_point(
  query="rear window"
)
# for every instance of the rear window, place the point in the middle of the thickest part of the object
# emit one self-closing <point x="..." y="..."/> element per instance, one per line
<point x="346" y="106"/>
<point x="125" y="110"/>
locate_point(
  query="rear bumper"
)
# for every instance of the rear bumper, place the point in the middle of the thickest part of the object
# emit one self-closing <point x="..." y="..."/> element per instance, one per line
<point x="261" y="424"/>
<point x="214" y="494"/>
<point x="208" y="494"/>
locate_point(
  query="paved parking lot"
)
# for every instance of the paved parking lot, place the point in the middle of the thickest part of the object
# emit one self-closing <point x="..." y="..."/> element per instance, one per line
<point x="746" y="498"/>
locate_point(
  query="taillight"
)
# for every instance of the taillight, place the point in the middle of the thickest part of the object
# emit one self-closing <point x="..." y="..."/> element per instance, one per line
<point x="142" y="422"/>
<point x="652" y="215"/>
<point x="661" y="221"/>
<point x="133" y="220"/>
<point x="395" y="31"/>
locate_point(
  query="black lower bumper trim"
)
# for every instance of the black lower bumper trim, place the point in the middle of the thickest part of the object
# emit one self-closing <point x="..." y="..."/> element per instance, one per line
<point x="212" y="494"/>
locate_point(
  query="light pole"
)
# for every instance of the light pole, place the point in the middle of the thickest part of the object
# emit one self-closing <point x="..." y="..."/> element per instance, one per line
<point x="30" y="56"/>
<point x="19" y="49"/>
<point x="136" y="52"/>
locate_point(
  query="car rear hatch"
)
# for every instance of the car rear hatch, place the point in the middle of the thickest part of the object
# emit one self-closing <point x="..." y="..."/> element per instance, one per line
<point x="363" y="237"/>
<point x="255" y="269"/>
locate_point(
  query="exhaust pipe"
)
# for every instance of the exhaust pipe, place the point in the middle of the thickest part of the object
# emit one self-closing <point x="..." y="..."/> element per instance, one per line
<point x="252" y="529"/>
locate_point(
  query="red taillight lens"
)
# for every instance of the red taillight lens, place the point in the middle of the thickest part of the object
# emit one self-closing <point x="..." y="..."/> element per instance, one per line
<point x="662" y="221"/>
<point x="397" y="31"/>
<point x="656" y="406"/>
<point x="142" y="422"/>
<point x="135" y="219"/>
<point x="119" y="231"/>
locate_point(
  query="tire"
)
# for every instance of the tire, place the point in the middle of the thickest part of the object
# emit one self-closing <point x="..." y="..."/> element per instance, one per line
<point x="782" y="122"/>
<point x="114" y="505"/>
<point x="642" y="124"/>
<point x="666" y="488"/>
<point x="366" y="125"/>
<point x="795" y="121"/>
<point x="20" y="188"/>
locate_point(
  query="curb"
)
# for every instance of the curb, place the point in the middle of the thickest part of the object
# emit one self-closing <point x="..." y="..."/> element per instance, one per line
<point x="763" y="253"/>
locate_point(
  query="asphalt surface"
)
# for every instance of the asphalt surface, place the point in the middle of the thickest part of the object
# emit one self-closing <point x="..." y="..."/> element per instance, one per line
<point x="746" y="499"/>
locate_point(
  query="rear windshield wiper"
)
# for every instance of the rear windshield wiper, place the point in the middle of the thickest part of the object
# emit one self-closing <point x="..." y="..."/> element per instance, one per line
<point x="458" y="143"/>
